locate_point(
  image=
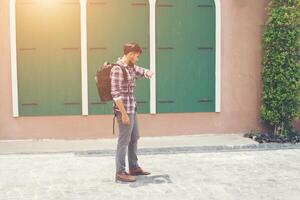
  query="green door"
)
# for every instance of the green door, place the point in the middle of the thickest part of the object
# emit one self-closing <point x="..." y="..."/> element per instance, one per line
<point x="110" y="24"/>
<point x="185" y="56"/>
<point x="48" y="57"/>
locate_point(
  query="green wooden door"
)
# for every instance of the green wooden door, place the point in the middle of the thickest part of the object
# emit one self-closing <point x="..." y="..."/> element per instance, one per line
<point x="185" y="55"/>
<point x="110" y="24"/>
<point x="48" y="57"/>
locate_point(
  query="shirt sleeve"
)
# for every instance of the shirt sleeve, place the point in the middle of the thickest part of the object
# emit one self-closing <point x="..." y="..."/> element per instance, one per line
<point x="116" y="77"/>
<point x="140" y="71"/>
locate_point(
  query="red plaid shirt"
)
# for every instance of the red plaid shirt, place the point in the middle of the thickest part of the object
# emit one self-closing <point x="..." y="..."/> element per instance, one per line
<point x="121" y="89"/>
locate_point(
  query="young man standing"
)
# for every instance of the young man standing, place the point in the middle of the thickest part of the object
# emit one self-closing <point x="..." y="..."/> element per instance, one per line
<point x="125" y="109"/>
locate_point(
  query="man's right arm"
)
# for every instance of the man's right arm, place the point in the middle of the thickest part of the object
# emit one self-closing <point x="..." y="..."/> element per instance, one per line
<point x="120" y="105"/>
<point x="116" y="76"/>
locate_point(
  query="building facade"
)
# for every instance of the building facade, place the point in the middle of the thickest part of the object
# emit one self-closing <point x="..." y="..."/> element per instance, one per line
<point x="206" y="55"/>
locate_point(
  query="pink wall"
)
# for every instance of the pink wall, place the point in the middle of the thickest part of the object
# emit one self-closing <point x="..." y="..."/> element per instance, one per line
<point x="242" y="22"/>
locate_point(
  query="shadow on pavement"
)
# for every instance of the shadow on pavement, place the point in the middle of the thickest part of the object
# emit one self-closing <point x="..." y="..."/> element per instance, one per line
<point x="154" y="179"/>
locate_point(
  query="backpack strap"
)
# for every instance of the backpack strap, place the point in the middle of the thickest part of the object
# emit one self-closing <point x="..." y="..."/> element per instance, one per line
<point x="114" y="124"/>
<point x="124" y="74"/>
<point x="123" y="70"/>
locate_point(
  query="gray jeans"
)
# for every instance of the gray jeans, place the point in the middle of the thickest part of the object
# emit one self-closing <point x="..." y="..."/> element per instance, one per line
<point x="127" y="139"/>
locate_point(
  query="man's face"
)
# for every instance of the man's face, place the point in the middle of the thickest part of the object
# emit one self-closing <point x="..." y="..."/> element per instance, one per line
<point x="133" y="57"/>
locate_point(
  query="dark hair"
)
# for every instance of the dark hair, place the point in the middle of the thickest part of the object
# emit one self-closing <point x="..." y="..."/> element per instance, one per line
<point x="132" y="46"/>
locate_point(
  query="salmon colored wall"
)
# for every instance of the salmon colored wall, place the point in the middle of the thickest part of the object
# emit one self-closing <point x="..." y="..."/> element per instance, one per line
<point x="242" y="22"/>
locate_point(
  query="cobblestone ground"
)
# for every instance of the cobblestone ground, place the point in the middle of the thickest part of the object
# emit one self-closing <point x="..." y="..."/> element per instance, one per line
<point x="222" y="175"/>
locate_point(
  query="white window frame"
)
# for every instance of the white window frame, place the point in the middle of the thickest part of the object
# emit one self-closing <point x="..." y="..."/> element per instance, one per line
<point x="152" y="4"/>
<point x="218" y="25"/>
<point x="84" y="67"/>
<point x="84" y="62"/>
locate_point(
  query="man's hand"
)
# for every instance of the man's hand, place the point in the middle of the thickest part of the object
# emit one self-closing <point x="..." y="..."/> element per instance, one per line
<point x="149" y="74"/>
<point x="125" y="119"/>
<point x="124" y="115"/>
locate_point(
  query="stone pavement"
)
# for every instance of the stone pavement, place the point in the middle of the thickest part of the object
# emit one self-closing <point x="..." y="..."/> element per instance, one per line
<point x="242" y="175"/>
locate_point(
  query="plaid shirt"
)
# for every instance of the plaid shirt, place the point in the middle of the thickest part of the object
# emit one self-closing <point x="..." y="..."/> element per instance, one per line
<point x="121" y="89"/>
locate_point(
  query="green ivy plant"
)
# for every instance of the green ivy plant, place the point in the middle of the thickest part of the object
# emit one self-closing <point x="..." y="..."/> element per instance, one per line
<point x="281" y="66"/>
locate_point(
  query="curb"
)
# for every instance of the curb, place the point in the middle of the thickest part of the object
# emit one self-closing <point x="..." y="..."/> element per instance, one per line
<point x="175" y="150"/>
<point x="198" y="149"/>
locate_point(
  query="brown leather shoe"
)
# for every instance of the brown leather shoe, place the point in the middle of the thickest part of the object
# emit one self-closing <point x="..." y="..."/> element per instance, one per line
<point x="138" y="171"/>
<point x="124" y="176"/>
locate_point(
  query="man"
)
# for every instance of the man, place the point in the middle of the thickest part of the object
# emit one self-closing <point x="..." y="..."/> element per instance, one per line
<point x="125" y="109"/>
